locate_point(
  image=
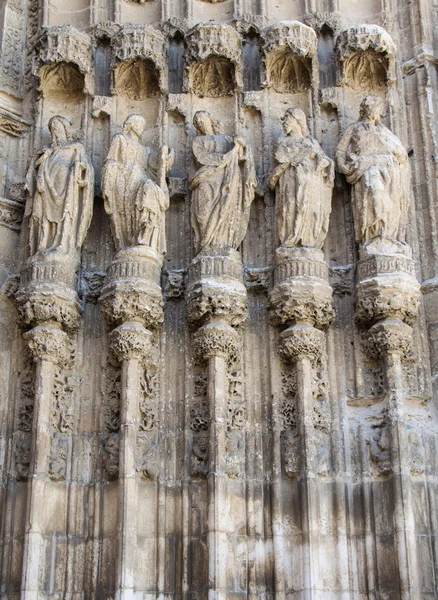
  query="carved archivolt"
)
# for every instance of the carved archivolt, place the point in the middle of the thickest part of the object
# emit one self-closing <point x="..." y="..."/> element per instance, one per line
<point x="366" y="55"/>
<point x="64" y="59"/>
<point x="213" y="60"/>
<point x="290" y="57"/>
<point x="139" y="61"/>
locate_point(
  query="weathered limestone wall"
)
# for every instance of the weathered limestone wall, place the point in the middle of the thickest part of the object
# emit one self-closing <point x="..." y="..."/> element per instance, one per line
<point x="270" y="429"/>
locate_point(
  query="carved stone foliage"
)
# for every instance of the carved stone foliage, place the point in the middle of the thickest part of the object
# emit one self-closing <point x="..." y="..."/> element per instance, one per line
<point x="301" y="340"/>
<point x="47" y="343"/>
<point x="375" y="162"/>
<point x="12" y="124"/>
<point x="236" y="424"/>
<point x="213" y="60"/>
<point x="366" y="53"/>
<point x="216" y="339"/>
<point x="199" y="425"/>
<point x="111" y="420"/>
<point x="63" y="46"/>
<point x="303" y="182"/>
<point x="289" y="49"/>
<point x="11" y="62"/>
<point x="321" y="418"/>
<point x="134" y="188"/>
<point x="65" y="385"/>
<point x="23" y="433"/>
<point x="11" y="214"/>
<point x="379" y="443"/>
<point x="222" y="192"/>
<point x="290" y="440"/>
<point x="147" y="462"/>
<point x="389" y="336"/>
<point x="131" y="340"/>
<point x="317" y="20"/>
<point x="61" y="193"/>
<point x="143" y="50"/>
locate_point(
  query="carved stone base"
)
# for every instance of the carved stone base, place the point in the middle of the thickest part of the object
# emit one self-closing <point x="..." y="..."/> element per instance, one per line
<point x="47" y="291"/>
<point x="387" y="287"/>
<point x="301" y="291"/>
<point x="132" y="290"/>
<point x="216" y="289"/>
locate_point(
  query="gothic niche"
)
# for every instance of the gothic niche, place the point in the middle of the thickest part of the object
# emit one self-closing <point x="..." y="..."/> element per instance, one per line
<point x="366" y="71"/>
<point x="288" y="72"/>
<point x="137" y="79"/>
<point x="61" y="78"/>
<point x="213" y="78"/>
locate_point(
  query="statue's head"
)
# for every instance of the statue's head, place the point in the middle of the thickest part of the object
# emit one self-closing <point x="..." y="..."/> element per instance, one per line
<point x="134" y="123"/>
<point x="59" y="128"/>
<point x="371" y="109"/>
<point x="294" y="122"/>
<point x="205" y="124"/>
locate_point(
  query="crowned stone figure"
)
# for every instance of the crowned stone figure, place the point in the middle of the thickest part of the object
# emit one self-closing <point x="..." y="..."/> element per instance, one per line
<point x="134" y="188"/>
<point x="61" y="182"/>
<point x="375" y="162"/>
<point x="222" y="188"/>
<point x="303" y="181"/>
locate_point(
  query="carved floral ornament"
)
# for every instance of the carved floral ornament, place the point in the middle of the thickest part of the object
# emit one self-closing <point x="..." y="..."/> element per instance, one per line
<point x="64" y="59"/>
<point x="366" y="55"/>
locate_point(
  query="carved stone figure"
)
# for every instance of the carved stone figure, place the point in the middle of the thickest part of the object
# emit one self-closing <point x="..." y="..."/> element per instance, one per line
<point x="303" y="180"/>
<point x="61" y="207"/>
<point x="375" y="162"/>
<point x="135" y="190"/>
<point x="223" y="187"/>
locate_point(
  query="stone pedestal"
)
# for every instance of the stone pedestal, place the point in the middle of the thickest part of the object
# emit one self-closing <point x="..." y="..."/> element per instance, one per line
<point x="132" y="299"/>
<point x="302" y="300"/>
<point x="387" y="298"/>
<point x="216" y="302"/>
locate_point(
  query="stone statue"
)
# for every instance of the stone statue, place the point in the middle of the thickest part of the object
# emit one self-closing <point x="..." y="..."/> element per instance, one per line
<point x="134" y="188"/>
<point x="60" y="205"/>
<point x="223" y="188"/>
<point x="376" y="163"/>
<point x="303" y="180"/>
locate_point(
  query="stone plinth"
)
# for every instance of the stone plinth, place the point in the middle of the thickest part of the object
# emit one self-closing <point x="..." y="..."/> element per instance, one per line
<point x="386" y="284"/>
<point x="132" y="290"/>
<point x="301" y="292"/>
<point x="47" y="291"/>
<point x="215" y="288"/>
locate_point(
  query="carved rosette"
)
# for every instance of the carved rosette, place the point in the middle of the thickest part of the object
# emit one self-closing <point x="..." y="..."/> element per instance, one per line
<point x="140" y="43"/>
<point x="47" y="292"/>
<point x="49" y="343"/>
<point x="389" y="336"/>
<point x="61" y="45"/>
<point x="301" y="292"/>
<point x="301" y="341"/>
<point x="366" y="49"/>
<point x="216" y="339"/>
<point x="216" y="289"/>
<point x="387" y="287"/>
<point x="133" y="341"/>
<point x="213" y="43"/>
<point x="290" y="50"/>
<point x="132" y="290"/>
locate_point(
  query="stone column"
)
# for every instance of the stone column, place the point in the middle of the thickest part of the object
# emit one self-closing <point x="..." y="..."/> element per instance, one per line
<point x="217" y="301"/>
<point x="387" y="299"/>
<point x="302" y="299"/>
<point x="131" y="299"/>
<point x="47" y="301"/>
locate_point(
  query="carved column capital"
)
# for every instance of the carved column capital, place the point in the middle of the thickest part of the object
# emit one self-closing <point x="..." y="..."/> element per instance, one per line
<point x="301" y="341"/>
<point x="132" y="340"/>
<point x="390" y="336"/>
<point x="46" y="342"/>
<point x="216" y="339"/>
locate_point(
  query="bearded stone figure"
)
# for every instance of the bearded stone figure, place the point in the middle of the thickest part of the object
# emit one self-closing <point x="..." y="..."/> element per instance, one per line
<point x="303" y="181"/>
<point x="61" y="182"/>
<point x="223" y="188"/>
<point x="375" y="162"/>
<point x="135" y="190"/>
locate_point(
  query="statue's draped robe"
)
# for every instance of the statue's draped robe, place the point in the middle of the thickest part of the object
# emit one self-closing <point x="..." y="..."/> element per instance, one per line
<point x="304" y="181"/>
<point x="222" y="192"/>
<point x="375" y="162"/>
<point x="135" y="203"/>
<point x="61" y="208"/>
